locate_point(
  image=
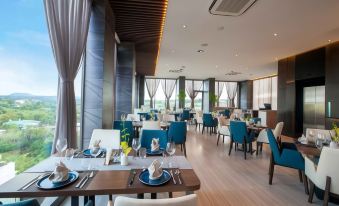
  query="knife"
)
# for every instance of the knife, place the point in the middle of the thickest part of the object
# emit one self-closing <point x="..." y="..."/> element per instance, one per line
<point x="81" y="181"/>
<point x="85" y="181"/>
<point x="132" y="178"/>
<point x="175" y="182"/>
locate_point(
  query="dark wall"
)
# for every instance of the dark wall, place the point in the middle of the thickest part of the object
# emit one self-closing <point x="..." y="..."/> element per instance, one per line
<point x="181" y="87"/>
<point x="125" y="80"/>
<point x="246" y="94"/>
<point x="310" y="65"/>
<point x="209" y="89"/>
<point x="332" y="84"/>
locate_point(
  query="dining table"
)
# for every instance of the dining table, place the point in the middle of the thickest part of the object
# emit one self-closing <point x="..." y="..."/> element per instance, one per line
<point x="137" y="125"/>
<point x="106" y="179"/>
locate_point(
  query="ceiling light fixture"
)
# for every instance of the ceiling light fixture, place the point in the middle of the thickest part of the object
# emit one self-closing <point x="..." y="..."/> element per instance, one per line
<point x="329" y="40"/>
<point x="216" y="66"/>
<point x="184" y="26"/>
<point x="275" y="34"/>
<point x="236" y="55"/>
<point x="200" y="51"/>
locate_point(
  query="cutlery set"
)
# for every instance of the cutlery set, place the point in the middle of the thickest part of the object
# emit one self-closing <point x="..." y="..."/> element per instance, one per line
<point x="34" y="181"/>
<point x="84" y="180"/>
<point x="177" y="173"/>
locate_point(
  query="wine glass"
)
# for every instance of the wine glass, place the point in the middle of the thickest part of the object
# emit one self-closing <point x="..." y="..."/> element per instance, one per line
<point x="69" y="154"/>
<point x="61" y="145"/>
<point x="142" y="153"/>
<point x="136" y="146"/>
<point x="170" y="149"/>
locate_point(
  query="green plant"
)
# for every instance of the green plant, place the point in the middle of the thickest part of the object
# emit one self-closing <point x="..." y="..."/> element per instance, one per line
<point x="125" y="140"/>
<point x="213" y="98"/>
<point x="335" y="138"/>
<point x="181" y="97"/>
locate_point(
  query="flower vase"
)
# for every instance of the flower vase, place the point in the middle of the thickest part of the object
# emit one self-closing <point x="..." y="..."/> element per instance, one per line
<point x="334" y="145"/>
<point x="123" y="159"/>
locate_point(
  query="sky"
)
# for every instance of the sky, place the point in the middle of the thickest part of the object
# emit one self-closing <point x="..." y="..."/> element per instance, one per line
<point x="27" y="64"/>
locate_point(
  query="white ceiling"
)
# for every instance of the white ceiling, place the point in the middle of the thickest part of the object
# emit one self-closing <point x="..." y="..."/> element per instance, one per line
<point x="301" y="25"/>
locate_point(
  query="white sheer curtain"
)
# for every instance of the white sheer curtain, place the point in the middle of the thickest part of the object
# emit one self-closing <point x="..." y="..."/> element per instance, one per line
<point x="152" y="86"/>
<point x="265" y="91"/>
<point x="231" y="88"/>
<point x="68" y="23"/>
<point x="168" y="86"/>
<point x="218" y="90"/>
<point x="191" y="88"/>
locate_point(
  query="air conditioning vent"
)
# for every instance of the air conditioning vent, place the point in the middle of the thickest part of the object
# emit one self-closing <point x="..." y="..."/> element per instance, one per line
<point x="230" y="7"/>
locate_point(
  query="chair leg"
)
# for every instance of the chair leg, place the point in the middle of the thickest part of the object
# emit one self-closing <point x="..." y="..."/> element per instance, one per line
<point x="300" y="176"/>
<point x="261" y="144"/>
<point x="245" y="148"/>
<point x="305" y="182"/>
<point x="210" y="130"/>
<point x="223" y="138"/>
<point x="199" y="126"/>
<point x="256" y="152"/>
<point x="185" y="149"/>
<point x="153" y="195"/>
<point x="271" y="170"/>
<point x="203" y="128"/>
<point x="327" y="190"/>
<point x="181" y="147"/>
<point x="236" y="147"/>
<point x="231" y="145"/>
<point x="218" y="139"/>
<point x="170" y="195"/>
<point x="310" y="196"/>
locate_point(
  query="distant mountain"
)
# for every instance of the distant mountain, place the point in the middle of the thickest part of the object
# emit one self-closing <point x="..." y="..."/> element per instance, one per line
<point x="20" y="95"/>
<point x="17" y="96"/>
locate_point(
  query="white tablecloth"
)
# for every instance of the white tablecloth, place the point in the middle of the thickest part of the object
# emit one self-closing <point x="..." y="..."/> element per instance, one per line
<point x="79" y="164"/>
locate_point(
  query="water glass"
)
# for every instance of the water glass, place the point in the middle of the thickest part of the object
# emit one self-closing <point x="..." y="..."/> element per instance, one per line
<point x="136" y="146"/>
<point x="69" y="154"/>
<point x="142" y="153"/>
<point x="61" y="145"/>
<point x="170" y="149"/>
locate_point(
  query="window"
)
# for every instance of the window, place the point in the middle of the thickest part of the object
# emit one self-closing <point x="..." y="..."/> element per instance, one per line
<point x="28" y="87"/>
<point x="224" y="100"/>
<point x="265" y="91"/>
<point x="193" y="89"/>
<point x="159" y="97"/>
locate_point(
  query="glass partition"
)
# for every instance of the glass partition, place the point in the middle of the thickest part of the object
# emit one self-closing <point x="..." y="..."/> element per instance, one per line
<point x="265" y="92"/>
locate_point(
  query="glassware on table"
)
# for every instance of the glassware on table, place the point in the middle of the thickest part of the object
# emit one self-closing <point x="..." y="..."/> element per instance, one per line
<point x="320" y="141"/>
<point x="123" y="117"/>
<point x="61" y="145"/>
<point x="136" y="146"/>
<point x="142" y="153"/>
<point x="170" y="149"/>
<point x="69" y="154"/>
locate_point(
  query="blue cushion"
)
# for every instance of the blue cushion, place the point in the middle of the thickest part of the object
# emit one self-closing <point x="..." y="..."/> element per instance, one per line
<point x="148" y="135"/>
<point x="256" y="120"/>
<point x="185" y="114"/>
<point x="30" y="202"/>
<point x="177" y="132"/>
<point x="208" y="120"/>
<point x="238" y="130"/>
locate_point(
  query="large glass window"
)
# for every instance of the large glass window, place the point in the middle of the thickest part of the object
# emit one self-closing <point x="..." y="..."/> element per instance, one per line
<point x="28" y="87"/>
<point x="159" y="98"/>
<point x="193" y="91"/>
<point x="224" y="100"/>
<point x="265" y="92"/>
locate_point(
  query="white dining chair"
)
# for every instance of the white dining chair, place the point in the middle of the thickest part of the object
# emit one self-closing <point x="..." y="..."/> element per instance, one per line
<point x="150" y="125"/>
<point x="262" y="137"/>
<point x="168" y="118"/>
<point x="223" y="128"/>
<point x="133" y="117"/>
<point x="199" y="120"/>
<point x="110" y="138"/>
<point x="188" y="200"/>
<point x="325" y="175"/>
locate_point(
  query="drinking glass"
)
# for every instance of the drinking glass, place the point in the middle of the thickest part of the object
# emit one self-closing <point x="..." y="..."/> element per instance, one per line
<point x="136" y="146"/>
<point x="69" y="154"/>
<point x="142" y="153"/>
<point x="170" y="149"/>
<point x="61" y="145"/>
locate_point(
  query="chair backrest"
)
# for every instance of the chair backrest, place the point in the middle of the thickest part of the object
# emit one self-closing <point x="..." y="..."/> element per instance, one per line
<point x="177" y="132"/>
<point x="256" y="120"/>
<point x="326" y="133"/>
<point x="278" y="129"/>
<point x="153" y="125"/>
<point x="238" y="131"/>
<point x="207" y="119"/>
<point x="148" y="135"/>
<point x="30" y="202"/>
<point x="125" y="127"/>
<point x="327" y="166"/>
<point x="227" y="113"/>
<point x="187" y="200"/>
<point x="274" y="145"/>
<point x="185" y="114"/>
<point x="168" y="118"/>
<point x="223" y="121"/>
<point x="110" y="138"/>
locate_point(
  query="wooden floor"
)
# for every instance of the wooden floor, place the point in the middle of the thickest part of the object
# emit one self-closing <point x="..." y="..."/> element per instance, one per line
<point x="231" y="180"/>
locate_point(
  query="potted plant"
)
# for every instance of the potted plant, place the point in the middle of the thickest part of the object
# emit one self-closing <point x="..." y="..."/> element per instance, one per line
<point x="181" y="97"/>
<point x="125" y="148"/>
<point x="213" y="99"/>
<point x="335" y="138"/>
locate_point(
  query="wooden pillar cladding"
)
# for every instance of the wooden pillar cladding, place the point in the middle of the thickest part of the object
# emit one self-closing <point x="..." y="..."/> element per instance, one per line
<point x="209" y="89"/>
<point x="246" y="94"/>
<point x="181" y="88"/>
<point x="286" y="95"/>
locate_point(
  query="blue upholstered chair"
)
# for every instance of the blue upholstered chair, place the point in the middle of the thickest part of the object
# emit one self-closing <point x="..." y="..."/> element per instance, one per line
<point x="256" y="120"/>
<point x="209" y="122"/>
<point x="240" y="135"/>
<point x="128" y="125"/>
<point x="30" y="202"/>
<point x="227" y="113"/>
<point x="185" y="115"/>
<point x="148" y="135"/>
<point x="285" y="155"/>
<point x="177" y="133"/>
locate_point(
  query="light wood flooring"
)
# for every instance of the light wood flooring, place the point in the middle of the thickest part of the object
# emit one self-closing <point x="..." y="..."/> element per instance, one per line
<point x="231" y="180"/>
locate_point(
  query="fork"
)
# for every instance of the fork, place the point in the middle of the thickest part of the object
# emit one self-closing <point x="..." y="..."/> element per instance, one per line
<point x="177" y="172"/>
<point x="175" y="182"/>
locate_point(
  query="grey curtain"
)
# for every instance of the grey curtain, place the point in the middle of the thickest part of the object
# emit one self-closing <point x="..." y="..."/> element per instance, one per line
<point x="218" y="90"/>
<point x="152" y="87"/>
<point x="168" y="86"/>
<point x="68" y="23"/>
<point x="191" y="89"/>
<point x="231" y="88"/>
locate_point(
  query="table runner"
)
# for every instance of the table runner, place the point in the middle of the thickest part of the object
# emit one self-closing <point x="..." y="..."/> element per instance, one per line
<point x="81" y="164"/>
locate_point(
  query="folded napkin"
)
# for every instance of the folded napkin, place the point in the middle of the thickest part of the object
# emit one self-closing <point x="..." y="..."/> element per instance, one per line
<point x="155" y="170"/>
<point x="302" y="139"/>
<point x="60" y="173"/>
<point x="96" y="146"/>
<point x="155" y="144"/>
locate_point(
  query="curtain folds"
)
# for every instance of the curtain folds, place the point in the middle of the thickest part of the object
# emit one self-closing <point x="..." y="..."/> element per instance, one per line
<point x="168" y="86"/>
<point x="68" y="23"/>
<point x="231" y="88"/>
<point x="218" y="90"/>
<point x="152" y="87"/>
<point x="191" y="88"/>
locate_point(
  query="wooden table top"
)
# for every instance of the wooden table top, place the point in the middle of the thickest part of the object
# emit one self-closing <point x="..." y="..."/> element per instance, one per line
<point x="104" y="182"/>
<point x="307" y="150"/>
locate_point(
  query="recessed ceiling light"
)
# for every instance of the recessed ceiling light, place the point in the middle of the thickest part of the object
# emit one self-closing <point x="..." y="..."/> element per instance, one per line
<point x="200" y="51"/>
<point x="216" y="66"/>
<point x="184" y="26"/>
<point x="275" y="34"/>
<point x="276" y="58"/>
<point x="236" y="55"/>
<point x="329" y="40"/>
<point x="220" y="28"/>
